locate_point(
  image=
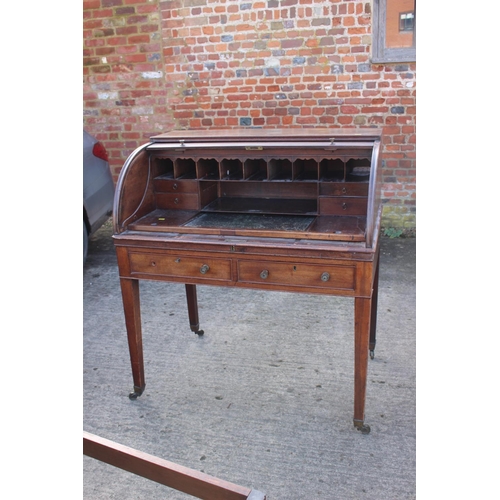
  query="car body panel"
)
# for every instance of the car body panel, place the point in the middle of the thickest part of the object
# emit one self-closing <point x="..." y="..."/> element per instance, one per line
<point x="98" y="190"/>
<point x="98" y="186"/>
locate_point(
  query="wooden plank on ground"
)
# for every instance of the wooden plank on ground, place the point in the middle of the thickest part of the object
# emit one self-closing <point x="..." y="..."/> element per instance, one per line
<point x="192" y="482"/>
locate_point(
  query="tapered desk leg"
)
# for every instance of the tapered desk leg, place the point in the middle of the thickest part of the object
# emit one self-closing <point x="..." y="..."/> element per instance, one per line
<point x="131" y="306"/>
<point x="373" y="322"/>
<point x="192" y="303"/>
<point x="362" y="316"/>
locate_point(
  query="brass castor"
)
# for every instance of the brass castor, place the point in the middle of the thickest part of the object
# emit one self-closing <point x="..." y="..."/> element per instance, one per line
<point x="362" y="427"/>
<point x="196" y="329"/>
<point x="136" y="393"/>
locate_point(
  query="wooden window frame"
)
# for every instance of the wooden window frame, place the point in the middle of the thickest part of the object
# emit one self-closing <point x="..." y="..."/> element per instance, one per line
<point x="381" y="53"/>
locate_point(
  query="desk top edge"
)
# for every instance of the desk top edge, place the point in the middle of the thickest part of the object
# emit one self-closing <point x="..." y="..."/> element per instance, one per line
<point x="143" y="238"/>
<point x="291" y="134"/>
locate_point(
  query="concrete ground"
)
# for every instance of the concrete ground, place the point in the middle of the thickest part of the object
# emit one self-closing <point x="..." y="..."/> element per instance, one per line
<point x="265" y="398"/>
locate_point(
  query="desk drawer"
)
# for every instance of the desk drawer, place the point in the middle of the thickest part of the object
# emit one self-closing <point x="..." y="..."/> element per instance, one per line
<point x="306" y="275"/>
<point x="180" y="267"/>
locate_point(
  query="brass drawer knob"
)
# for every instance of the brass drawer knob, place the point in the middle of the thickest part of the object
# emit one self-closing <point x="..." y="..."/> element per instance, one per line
<point x="344" y="206"/>
<point x="325" y="277"/>
<point x="204" y="269"/>
<point x="175" y="186"/>
<point x="264" y="274"/>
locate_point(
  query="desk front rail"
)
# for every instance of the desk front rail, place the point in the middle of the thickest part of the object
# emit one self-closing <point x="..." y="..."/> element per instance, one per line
<point x="323" y="276"/>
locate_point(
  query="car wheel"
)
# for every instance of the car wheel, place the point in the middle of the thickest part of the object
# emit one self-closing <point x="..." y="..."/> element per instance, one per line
<point x="85" y="242"/>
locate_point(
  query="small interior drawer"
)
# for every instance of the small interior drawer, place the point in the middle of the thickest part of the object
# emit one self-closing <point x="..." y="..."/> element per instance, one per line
<point x="183" y="201"/>
<point x="342" y="205"/>
<point x="175" y="185"/>
<point x="343" y="189"/>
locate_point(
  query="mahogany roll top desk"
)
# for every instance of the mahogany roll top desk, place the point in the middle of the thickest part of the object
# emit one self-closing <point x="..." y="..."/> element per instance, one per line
<point x="293" y="210"/>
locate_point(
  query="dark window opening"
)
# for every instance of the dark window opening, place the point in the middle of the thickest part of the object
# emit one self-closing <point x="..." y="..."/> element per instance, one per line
<point x="406" y="21"/>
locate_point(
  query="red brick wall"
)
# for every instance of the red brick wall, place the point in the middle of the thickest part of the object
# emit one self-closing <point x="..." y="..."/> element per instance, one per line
<point x="152" y="66"/>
